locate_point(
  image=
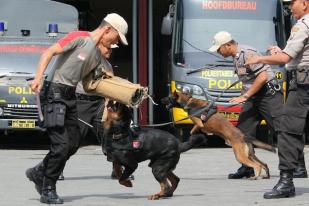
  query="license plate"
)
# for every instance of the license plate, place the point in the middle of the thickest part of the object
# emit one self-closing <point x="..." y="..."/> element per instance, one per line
<point x="25" y="124"/>
<point x="230" y="115"/>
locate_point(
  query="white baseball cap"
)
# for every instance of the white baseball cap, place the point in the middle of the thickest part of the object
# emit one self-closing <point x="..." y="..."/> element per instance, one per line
<point x="220" y="38"/>
<point x="114" y="46"/>
<point x="118" y="23"/>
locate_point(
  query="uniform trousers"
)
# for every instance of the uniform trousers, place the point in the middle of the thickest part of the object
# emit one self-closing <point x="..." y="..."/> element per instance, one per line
<point x="292" y="128"/>
<point x="90" y="109"/>
<point x="64" y="139"/>
<point x="263" y="105"/>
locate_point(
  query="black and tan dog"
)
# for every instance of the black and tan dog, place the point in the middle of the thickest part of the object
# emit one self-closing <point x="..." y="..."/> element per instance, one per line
<point x="128" y="148"/>
<point x="219" y="125"/>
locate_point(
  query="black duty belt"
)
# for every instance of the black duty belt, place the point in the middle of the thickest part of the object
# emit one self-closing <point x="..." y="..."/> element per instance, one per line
<point x="59" y="90"/>
<point x="88" y="97"/>
<point x="270" y="87"/>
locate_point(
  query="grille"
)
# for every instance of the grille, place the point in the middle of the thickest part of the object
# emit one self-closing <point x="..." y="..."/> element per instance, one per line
<point x="20" y="113"/>
<point x="224" y="98"/>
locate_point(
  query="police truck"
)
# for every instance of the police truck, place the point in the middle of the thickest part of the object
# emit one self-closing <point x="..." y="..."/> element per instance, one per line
<point x="192" y="68"/>
<point x="27" y="29"/>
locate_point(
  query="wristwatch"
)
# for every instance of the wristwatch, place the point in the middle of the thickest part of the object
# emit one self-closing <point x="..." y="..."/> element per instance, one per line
<point x="246" y="96"/>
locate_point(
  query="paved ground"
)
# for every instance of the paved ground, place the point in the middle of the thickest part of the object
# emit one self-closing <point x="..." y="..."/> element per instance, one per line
<point x="202" y="171"/>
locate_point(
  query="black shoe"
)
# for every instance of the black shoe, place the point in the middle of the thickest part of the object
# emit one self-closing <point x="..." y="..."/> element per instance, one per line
<point x="131" y="177"/>
<point x="61" y="177"/>
<point x="243" y="171"/>
<point x="284" y="188"/>
<point x="300" y="172"/>
<point x="49" y="196"/>
<point x="35" y="175"/>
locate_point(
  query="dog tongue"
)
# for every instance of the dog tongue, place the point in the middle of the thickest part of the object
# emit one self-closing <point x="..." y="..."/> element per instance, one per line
<point x="136" y="144"/>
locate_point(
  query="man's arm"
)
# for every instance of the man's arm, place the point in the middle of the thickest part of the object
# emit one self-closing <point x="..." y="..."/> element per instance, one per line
<point x="258" y="83"/>
<point x="279" y="58"/>
<point x="42" y="65"/>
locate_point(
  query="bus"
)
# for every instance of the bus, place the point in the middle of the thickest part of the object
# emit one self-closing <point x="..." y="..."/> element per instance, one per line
<point x="27" y="28"/>
<point x="192" y="68"/>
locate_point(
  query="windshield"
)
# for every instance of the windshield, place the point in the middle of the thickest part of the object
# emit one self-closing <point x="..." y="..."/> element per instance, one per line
<point x="197" y="21"/>
<point x="19" y="59"/>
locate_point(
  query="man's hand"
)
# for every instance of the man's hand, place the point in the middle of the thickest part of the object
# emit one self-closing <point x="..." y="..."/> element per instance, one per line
<point x="272" y="50"/>
<point x="36" y="85"/>
<point x="239" y="99"/>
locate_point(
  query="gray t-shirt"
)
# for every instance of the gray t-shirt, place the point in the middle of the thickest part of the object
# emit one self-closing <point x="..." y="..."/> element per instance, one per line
<point x="297" y="46"/>
<point x="243" y="53"/>
<point x="80" y="57"/>
<point x="105" y="66"/>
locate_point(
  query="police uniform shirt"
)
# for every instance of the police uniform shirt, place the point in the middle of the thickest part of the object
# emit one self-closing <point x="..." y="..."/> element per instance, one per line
<point x="105" y="66"/>
<point x="79" y="58"/>
<point x="243" y="53"/>
<point x="297" y="46"/>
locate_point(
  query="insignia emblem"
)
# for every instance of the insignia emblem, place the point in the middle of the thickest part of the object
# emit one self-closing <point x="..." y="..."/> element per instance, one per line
<point x="23" y="100"/>
<point x="136" y="144"/>
<point x="295" y="29"/>
<point x="82" y="56"/>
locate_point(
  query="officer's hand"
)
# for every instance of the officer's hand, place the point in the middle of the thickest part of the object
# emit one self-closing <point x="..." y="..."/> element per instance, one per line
<point x="239" y="99"/>
<point x="272" y="50"/>
<point x="36" y="85"/>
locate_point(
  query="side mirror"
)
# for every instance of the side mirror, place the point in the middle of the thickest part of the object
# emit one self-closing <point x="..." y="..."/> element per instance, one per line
<point x="167" y="22"/>
<point x="166" y="27"/>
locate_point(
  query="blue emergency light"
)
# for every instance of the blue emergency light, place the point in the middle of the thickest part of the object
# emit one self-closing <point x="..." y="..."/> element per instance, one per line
<point x="52" y="30"/>
<point x="2" y="28"/>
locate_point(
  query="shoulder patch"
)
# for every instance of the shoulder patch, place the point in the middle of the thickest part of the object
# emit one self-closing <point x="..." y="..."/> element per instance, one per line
<point x="295" y="29"/>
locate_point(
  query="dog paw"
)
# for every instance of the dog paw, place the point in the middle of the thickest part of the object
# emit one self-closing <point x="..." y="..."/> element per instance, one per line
<point x="126" y="183"/>
<point x="154" y="197"/>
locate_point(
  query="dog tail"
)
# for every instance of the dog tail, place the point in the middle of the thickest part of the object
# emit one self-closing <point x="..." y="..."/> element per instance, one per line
<point x="194" y="140"/>
<point x="263" y="145"/>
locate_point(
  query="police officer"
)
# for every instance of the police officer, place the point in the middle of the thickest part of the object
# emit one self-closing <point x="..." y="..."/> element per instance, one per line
<point x="78" y="55"/>
<point x="260" y="93"/>
<point x="295" y="111"/>
<point x="90" y="106"/>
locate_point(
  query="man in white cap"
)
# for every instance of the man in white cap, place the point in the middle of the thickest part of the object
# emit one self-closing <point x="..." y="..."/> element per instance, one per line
<point x="260" y="93"/>
<point x="78" y="54"/>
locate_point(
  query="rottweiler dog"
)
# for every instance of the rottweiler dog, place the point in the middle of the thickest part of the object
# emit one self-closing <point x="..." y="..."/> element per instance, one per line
<point x="128" y="148"/>
<point x="219" y="125"/>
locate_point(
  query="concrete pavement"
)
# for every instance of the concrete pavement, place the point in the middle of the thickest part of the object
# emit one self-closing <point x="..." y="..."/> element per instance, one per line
<point x="203" y="174"/>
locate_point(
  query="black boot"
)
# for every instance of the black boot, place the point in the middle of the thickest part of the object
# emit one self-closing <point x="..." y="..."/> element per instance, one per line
<point x="49" y="194"/>
<point x="300" y="171"/>
<point x="35" y="174"/>
<point x="284" y="188"/>
<point x="61" y="177"/>
<point x="243" y="171"/>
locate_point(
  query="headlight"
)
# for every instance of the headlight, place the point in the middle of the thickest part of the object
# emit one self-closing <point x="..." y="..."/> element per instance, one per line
<point x="195" y="90"/>
<point x="1" y="111"/>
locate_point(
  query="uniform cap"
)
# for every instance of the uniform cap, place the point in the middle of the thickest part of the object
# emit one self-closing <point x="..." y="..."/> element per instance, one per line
<point x="114" y="46"/>
<point x="220" y="38"/>
<point x="118" y="23"/>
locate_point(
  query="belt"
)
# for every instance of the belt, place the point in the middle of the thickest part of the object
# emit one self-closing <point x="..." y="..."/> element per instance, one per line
<point x="269" y="87"/>
<point x="59" y="90"/>
<point x="88" y="97"/>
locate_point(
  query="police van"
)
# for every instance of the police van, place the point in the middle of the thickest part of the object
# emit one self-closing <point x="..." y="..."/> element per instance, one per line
<point x="192" y="25"/>
<point x="27" y="29"/>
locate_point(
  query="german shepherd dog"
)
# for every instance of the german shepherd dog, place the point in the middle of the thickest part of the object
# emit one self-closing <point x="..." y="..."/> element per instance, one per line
<point x="219" y="125"/>
<point x="127" y="148"/>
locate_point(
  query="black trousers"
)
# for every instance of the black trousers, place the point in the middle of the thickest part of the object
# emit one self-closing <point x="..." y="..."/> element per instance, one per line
<point x="261" y="106"/>
<point x="64" y="140"/>
<point x="90" y="109"/>
<point x="293" y="125"/>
